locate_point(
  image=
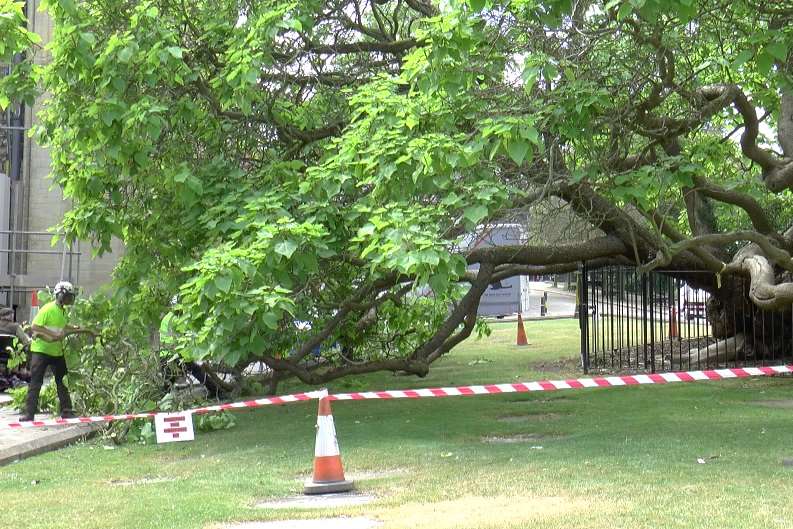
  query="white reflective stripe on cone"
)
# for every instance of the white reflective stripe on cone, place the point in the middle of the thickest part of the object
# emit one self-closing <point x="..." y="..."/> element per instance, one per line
<point x="326" y="437"/>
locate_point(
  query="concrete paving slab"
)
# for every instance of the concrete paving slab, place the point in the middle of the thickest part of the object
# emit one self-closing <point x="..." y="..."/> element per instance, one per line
<point x="364" y="475"/>
<point x="319" y="523"/>
<point x="323" y="501"/>
<point x="19" y="443"/>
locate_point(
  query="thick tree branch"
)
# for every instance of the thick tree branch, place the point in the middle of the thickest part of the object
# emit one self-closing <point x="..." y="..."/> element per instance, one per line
<point x="709" y="261"/>
<point x="468" y="310"/>
<point x="699" y="212"/>
<point x="426" y="8"/>
<point x="394" y="48"/>
<point x="719" y="96"/>
<point x="768" y="246"/>
<point x="507" y="271"/>
<point x="763" y="290"/>
<point x="437" y="345"/>
<point x="754" y="209"/>
<point x="608" y="246"/>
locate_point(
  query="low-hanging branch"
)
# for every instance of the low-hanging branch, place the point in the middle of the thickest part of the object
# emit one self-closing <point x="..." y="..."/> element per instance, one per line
<point x="777" y="255"/>
<point x="599" y="247"/>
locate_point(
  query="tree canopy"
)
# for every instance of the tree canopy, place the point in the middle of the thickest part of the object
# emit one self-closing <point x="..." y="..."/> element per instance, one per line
<point x="323" y="161"/>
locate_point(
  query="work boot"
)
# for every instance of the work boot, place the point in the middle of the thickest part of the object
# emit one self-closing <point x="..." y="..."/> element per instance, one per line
<point x="68" y="414"/>
<point x="26" y="418"/>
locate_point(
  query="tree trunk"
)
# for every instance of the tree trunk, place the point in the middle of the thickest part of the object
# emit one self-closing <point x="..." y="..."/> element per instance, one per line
<point x="731" y="313"/>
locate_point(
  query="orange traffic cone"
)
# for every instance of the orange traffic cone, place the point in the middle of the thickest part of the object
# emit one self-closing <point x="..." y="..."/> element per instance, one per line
<point x="328" y="472"/>
<point x="34" y="305"/>
<point x="521" y="331"/>
<point x="673" y="333"/>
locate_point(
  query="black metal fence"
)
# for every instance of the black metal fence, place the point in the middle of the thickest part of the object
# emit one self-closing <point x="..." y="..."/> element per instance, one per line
<point x="652" y="322"/>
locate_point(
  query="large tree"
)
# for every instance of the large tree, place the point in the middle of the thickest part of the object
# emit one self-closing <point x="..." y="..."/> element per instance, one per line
<point x="322" y="161"/>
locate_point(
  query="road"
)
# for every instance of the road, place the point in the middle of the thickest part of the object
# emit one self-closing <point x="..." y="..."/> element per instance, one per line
<point x="560" y="302"/>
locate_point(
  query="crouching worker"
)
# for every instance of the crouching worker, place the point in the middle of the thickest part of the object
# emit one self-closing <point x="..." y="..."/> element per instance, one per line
<point x="11" y="335"/>
<point x="49" y="328"/>
<point x="11" y="328"/>
<point x="170" y="362"/>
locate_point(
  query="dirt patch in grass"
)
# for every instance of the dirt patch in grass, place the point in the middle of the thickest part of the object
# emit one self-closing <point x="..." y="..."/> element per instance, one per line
<point x="531" y="417"/>
<point x="141" y="481"/>
<point x="538" y="401"/>
<point x="785" y="404"/>
<point x="482" y="512"/>
<point x="517" y="438"/>
<point x="376" y="474"/>
<point x="563" y="365"/>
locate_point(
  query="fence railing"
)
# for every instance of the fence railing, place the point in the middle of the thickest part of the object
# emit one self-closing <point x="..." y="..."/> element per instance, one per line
<point x="29" y="261"/>
<point x="654" y="322"/>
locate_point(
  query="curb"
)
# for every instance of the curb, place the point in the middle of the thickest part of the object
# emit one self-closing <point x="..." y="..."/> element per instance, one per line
<point x="57" y="438"/>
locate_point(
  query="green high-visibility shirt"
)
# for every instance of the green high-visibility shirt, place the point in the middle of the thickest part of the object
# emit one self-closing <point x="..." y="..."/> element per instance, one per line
<point x="55" y="319"/>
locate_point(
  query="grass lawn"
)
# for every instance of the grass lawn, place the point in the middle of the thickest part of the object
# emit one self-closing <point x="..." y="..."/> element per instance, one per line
<point x="599" y="458"/>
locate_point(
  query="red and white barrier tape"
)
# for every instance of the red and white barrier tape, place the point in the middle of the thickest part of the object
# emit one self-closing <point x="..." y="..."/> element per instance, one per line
<point x="573" y="383"/>
<point x="489" y="389"/>
<point x="283" y="399"/>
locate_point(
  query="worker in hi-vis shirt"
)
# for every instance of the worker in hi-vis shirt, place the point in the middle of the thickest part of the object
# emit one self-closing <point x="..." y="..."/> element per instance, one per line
<point x="49" y="328"/>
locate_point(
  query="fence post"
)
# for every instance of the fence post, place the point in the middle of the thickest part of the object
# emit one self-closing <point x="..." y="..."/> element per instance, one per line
<point x="644" y="318"/>
<point x="582" y="287"/>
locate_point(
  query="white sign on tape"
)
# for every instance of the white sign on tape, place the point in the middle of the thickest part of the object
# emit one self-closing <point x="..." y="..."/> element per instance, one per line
<point x="173" y="427"/>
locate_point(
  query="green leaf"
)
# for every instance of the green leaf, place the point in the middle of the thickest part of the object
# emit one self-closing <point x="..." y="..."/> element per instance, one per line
<point x="778" y="50"/>
<point x="195" y="185"/>
<point x="88" y="37"/>
<point x="477" y="5"/>
<point x="517" y="150"/>
<point x="223" y="283"/>
<point x="366" y="230"/>
<point x="286" y="248"/>
<point x="439" y="283"/>
<point x="475" y="213"/>
<point x="494" y="150"/>
<point x="530" y="133"/>
<point x="108" y="116"/>
<point x="182" y="175"/>
<point x="624" y="11"/>
<point x="141" y="158"/>
<point x="175" y="51"/>
<point x="529" y="74"/>
<point x="764" y="62"/>
<point x="742" y="57"/>
<point x="270" y="319"/>
<point x="125" y="55"/>
<point x="69" y="6"/>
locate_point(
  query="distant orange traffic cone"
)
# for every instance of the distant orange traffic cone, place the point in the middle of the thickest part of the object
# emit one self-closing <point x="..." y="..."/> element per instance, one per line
<point x="34" y="305"/>
<point x="673" y="333"/>
<point x="521" y="331"/>
<point x="328" y="472"/>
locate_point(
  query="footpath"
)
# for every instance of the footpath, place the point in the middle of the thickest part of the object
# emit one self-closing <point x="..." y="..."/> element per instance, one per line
<point x="16" y="444"/>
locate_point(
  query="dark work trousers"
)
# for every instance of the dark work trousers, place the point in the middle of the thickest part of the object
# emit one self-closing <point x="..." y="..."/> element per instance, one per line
<point x="38" y="366"/>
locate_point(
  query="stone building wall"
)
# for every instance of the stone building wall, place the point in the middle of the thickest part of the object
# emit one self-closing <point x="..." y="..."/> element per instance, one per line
<point x="36" y="206"/>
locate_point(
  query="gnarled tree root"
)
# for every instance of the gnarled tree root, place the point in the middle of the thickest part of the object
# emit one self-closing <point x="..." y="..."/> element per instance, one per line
<point x="722" y="351"/>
